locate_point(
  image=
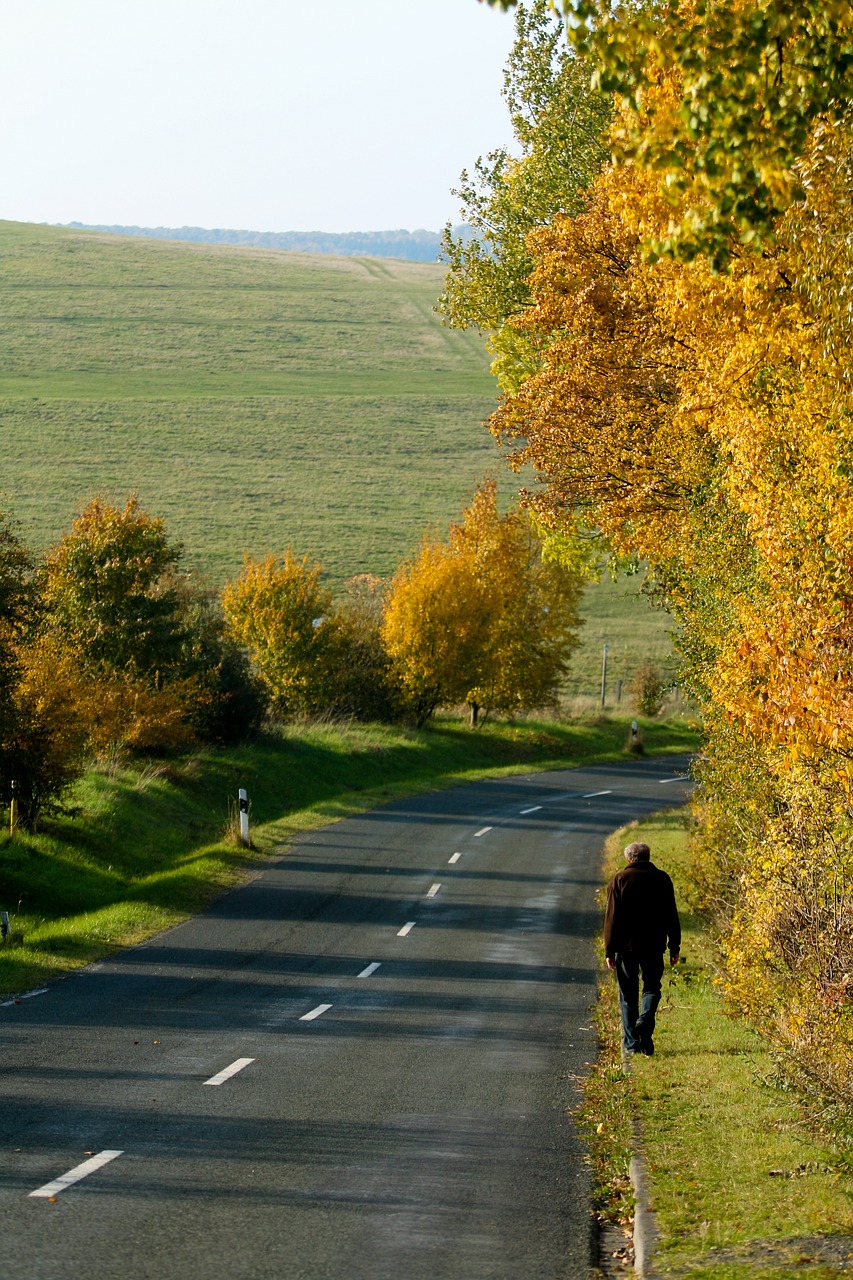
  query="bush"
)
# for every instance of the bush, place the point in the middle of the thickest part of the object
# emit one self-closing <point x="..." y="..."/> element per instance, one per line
<point x="648" y="689"/>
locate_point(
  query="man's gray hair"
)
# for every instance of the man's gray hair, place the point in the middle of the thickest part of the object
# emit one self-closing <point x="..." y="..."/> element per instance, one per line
<point x="638" y="852"/>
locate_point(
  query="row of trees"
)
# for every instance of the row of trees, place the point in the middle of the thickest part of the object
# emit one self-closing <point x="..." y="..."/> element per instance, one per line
<point x="671" y="335"/>
<point x="106" y="646"/>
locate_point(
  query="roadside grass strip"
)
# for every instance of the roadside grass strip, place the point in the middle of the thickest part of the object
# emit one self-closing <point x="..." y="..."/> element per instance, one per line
<point x="742" y="1185"/>
<point x="80" y="1171"/>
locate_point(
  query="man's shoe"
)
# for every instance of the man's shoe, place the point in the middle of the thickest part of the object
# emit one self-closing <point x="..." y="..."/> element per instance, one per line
<point x="647" y="1046"/>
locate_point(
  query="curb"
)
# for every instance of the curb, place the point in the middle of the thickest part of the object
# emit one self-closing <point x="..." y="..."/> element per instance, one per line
<point x="645" y="1233"/>
<point x="645" y="1229"/>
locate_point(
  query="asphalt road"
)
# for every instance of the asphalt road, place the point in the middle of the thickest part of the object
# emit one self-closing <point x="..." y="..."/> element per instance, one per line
<point x="356" y="1066"/>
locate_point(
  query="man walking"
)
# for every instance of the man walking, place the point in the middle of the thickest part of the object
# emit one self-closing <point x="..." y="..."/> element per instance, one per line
<point x="641" y="920"/>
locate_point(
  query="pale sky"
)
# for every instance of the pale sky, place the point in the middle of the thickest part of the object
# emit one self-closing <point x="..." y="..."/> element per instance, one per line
<point x="269" y="115"/>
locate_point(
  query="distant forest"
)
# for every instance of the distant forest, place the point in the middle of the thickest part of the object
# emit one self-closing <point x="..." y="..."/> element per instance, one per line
<point x="415" y="246"/>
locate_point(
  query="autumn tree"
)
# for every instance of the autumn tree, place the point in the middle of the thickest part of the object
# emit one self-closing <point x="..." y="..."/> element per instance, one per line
<point x="481" y="618"/>
<point x="279" y="610"/>
<point x="110" y="593"/>
<point x="702" y="420"/>
<point x="17" y="602"/>
<point x="747" y="84"/>
<point x="46" y="742"/>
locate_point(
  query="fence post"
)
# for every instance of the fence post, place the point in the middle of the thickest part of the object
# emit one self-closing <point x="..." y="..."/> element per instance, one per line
<point x="604" y="674"/>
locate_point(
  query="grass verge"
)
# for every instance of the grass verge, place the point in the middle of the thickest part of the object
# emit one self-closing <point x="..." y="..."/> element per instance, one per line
<point x="150" y="844"/>
<point x="742" y="1189"/>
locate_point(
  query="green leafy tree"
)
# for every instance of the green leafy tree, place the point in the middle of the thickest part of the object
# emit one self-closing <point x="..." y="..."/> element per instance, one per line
<point x="365" y="686"/>
<point x="110" y="592"/>
<point x="233" y="700"/>
<point x="754" y="78"/>
<point x="557" y="122"/>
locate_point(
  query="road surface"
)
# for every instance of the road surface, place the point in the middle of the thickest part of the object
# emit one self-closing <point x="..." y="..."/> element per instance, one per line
<point x="357" y="1066"/>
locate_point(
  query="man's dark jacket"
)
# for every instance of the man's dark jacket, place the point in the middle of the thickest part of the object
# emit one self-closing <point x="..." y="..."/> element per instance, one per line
<point x="641" y="914"/>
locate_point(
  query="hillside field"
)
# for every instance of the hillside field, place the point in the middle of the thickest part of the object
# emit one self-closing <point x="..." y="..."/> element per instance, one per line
<point x="255" y="399"/>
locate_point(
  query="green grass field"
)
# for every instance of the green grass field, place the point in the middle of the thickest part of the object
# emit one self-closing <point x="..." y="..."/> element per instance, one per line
<point x="255" y="400"/>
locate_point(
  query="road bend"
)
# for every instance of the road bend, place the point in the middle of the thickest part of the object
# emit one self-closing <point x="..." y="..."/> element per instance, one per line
<point x="358" y="1065"/>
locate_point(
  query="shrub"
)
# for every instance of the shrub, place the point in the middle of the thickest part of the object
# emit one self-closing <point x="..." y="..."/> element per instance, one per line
<point x="648" y="689"/>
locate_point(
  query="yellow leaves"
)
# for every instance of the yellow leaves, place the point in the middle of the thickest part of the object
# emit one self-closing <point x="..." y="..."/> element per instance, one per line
<point x="481" y="618"/>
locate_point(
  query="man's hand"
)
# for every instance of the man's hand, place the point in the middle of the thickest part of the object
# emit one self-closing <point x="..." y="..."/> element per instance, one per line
<point x="611" y="963"/>
<point x="673" y="957"/>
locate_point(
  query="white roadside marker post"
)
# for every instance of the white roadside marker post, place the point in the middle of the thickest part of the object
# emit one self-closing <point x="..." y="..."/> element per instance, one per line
<point x="244" y="817"/>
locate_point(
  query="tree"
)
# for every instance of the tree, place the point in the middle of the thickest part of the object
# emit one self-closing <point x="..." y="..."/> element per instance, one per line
<point x="280" y="612"/>
<point x="745" y="83"/>
<point x="482" y="618"/>
<point x="46" y="743"/>
<point x="17" y="605"/>
<point x="436" y="615"/>
<point x="109" y="591"/>
<point x="231" y="701"/>
<point x="558" y="122"/>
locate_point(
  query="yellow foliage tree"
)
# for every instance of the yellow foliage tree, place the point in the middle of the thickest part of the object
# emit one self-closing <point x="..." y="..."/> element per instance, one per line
<point x="281" y="613"/>
<point x="704" y="421"/>
<point x="481" y="618"/>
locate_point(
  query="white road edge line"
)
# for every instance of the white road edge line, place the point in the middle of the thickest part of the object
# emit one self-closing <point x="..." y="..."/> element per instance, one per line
<point x="592" y="794"/>
<point x="433" y="890"/>
<point x="26" y="995"/>
<point x="228" y="1072"/>
<point x="662" y="780"/>
<point x="406" y="929"/>
<point x="315" y="1013"/>
<point x="535" y="809"/>
<point x="371" y="968"/>
<point x="455" y="858"/>
<point x="74" y="1175"/>
<point x="481" y="832"/>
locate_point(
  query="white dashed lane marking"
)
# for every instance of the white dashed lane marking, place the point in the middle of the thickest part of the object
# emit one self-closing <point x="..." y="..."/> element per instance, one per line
<point x="315" y="1013"/>
<point x="592" y="794"/>
<point x="433" y="890"/>
<point x="371" y="968"/>
<point x="481" y="832"/>
<point x="228" y="1072"/>
<point x="74" y="1175"/>
<point x="406" y="929"/>
<point x="454" y="858"/>
<point x="535" y="809"/>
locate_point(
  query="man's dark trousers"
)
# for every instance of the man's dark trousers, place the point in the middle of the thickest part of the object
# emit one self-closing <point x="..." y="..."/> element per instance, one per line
<point x="638" y="1019"/>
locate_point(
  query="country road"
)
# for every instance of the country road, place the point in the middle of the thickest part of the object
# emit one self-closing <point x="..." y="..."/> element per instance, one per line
<point x="355" y="1067"/>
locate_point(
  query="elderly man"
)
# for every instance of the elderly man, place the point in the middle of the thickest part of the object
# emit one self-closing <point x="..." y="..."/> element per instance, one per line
<point x="641" y="920"/>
